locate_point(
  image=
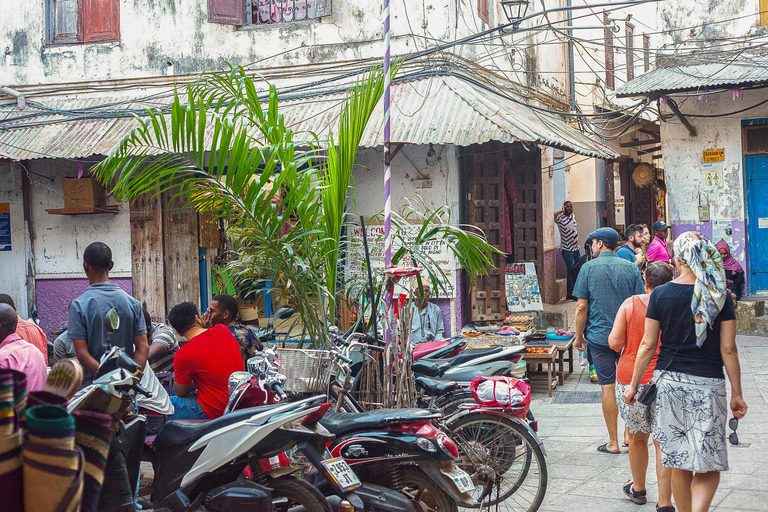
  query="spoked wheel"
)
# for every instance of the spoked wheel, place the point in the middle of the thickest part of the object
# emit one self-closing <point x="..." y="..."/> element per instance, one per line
<point x="425" y="495"/>
<point x="508" y="448"/>
<point x="291" y="494"/>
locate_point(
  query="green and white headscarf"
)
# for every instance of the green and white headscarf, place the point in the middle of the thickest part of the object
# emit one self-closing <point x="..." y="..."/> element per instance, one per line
<point x="705" y="261"/>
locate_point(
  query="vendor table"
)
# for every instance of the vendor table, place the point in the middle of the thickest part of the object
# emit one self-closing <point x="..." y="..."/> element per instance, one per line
<point x="562" y="347"/>
<point x="549" y="359"/>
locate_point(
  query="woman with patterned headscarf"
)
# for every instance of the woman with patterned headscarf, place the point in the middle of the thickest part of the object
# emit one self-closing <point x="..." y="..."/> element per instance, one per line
<point x="697" y="321"/>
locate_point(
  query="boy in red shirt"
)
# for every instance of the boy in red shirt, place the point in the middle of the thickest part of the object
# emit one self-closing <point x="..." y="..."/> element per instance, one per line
<point x="207" y="361"/>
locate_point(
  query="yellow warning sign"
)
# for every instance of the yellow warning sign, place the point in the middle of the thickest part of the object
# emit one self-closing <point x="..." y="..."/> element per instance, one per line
<point x="714" y="155"/>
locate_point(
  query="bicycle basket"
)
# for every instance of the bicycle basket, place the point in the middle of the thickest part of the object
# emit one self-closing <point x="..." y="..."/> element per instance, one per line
<point x="306" y="371"/>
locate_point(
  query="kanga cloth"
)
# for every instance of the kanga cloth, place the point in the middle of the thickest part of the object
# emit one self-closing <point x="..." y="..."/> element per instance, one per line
<point x="689" y="421"/>
<point x="93" y="434"/>
<point x="637" y="417"/>
<point x="705" y="261"/>
<point x="12" y="386"/>
<point x="52" y="462"/>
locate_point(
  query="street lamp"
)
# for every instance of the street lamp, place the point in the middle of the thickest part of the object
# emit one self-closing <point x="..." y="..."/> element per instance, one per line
<point x="515" y="11"/>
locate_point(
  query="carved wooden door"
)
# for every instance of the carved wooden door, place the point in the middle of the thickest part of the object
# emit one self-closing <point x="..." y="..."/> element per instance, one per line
<point x="482" y="167"/>
<point x="527" y="227"/>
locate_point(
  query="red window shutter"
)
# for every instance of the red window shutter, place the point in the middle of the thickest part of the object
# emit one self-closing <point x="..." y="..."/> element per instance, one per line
<point x="609" y="78"/>
<point x="226" y="12"/>
<point x="323" y="8"/>
<point x="630" y="33"/>
<point x="101" y="21"/>
<point x="482" y="10"/>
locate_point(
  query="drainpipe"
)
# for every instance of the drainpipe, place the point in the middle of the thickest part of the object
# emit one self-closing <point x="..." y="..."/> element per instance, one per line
<point x="21" y="101"/>
<point x="571" y="73"/>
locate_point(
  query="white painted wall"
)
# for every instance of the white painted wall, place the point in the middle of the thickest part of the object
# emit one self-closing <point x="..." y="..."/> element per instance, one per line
<point x="13" y="263"/>
<point x="61" y="239"/>
<point x="408" y="166"/>
<point x="687" y="24"/>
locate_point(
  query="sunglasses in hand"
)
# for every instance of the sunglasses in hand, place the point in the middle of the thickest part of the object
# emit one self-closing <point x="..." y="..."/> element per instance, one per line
<point x="733" y="438"/>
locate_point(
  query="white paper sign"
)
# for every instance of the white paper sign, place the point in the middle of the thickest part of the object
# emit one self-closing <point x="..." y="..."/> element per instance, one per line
<point x="762" y="223"/>
<point x="440" y="254"/>
<point x="712" y="176"/>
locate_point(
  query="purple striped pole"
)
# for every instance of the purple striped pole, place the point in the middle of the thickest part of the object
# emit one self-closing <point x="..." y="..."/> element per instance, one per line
<point x="387" y="178"/>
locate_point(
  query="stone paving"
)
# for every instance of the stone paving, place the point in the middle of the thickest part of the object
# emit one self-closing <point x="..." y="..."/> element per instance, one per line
<point x="581" y="478"/>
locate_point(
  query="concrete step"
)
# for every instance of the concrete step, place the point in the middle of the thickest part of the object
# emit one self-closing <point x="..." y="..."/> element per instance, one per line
<point x="751" y="316"/>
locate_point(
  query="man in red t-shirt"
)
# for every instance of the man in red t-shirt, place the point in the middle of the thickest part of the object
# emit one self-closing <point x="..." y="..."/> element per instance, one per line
<point x="207" y="361"/>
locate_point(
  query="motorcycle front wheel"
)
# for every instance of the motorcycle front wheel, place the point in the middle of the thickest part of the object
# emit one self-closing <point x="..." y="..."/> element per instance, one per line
<point x="508" y="448"/>
<point x="292" y="494"/>
<point x="423" y="492"/>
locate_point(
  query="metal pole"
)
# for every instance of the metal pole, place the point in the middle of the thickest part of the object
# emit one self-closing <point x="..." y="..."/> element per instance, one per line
<point x="387" y="175"/>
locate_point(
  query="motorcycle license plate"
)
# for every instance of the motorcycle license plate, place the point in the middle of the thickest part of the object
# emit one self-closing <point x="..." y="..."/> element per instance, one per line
<point x="462" y="480"/>
<point x="342" y="474"/>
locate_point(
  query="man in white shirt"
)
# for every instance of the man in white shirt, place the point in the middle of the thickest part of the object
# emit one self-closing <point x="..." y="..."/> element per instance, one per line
<point x="427" y="319"/>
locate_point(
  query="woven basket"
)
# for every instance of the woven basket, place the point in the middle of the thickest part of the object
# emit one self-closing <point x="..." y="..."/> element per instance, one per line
<point x="306" y="371"/>
<point x="643" y="175"/>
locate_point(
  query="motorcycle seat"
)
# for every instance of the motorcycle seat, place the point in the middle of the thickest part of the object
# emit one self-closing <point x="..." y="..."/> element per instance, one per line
<point x="474" y="353"/>
<point x="339" y="423"/>
<point x="183" y="432"/>
<point x="430" y="368"/>
<point x="435" y="387"/>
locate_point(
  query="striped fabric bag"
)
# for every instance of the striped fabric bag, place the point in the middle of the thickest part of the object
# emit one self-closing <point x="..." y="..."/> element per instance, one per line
<point x="19" y="398"/>
<point x="11" y="479"/>
<point x="52" y="461"/>
<point x="93" y="434"/>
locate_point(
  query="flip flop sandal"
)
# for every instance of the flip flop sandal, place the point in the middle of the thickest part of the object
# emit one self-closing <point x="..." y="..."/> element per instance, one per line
<point x="668" y="508"/>
<point x="638" y="497"/>
<point x="603" y="448"/>
<point x="65" y="378"/>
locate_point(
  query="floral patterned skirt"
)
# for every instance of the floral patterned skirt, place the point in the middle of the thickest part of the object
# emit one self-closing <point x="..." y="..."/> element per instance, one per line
<point x="637" y="417"/>
<point x="689" y="421"/>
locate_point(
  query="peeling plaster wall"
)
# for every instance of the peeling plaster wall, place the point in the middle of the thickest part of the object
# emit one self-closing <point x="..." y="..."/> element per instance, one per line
<point x="683" y="163"/>
<point x="682" y="14"/>
<point x="14" y="262"/>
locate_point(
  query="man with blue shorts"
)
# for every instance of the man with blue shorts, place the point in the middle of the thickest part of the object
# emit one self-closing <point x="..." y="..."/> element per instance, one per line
<point x="604" y="283"/>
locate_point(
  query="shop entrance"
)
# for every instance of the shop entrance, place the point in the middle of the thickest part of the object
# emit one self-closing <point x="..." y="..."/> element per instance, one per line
<point x="757" y="214"/>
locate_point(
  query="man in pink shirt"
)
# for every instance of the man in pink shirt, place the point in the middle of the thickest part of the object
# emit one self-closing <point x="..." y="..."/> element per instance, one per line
<point x="17" y="354"/>
<point x="658" y="250"/>
<point x="29" y="331"/>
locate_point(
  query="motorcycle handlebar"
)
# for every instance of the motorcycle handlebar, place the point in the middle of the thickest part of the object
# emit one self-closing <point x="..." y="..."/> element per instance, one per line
<point x="276" y="389"/>
<point x="142" y="390"/>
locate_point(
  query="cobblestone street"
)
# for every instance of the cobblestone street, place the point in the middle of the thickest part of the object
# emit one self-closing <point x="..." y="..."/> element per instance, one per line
<point x="580" y="478"/>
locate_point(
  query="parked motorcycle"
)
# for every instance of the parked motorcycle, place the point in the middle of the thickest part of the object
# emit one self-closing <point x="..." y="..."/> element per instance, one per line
<point x="199" y="465"/>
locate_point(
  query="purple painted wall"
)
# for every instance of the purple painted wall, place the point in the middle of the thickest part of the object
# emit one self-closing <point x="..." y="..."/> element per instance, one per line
<point x="54" y="296"/>
<point x="738" y="244"/>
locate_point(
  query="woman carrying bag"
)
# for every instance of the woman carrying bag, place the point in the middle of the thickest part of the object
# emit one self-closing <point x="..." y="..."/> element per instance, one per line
<point x="697" y="321"/>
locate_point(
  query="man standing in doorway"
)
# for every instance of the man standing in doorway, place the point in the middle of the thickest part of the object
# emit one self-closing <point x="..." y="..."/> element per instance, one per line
<point x="569" y="242"/>
<point x="658" y="250"/>
<point x="105" y="316"/>
<point x="632" y="251"/>
<point x="604" y="283"/>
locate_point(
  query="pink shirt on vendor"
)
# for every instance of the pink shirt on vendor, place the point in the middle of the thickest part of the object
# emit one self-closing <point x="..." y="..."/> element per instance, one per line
<point x="17" y="354"/>
<point x="658" y="250"/>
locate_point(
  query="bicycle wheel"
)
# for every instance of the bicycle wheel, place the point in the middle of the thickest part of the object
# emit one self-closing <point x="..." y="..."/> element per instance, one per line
<point x="508" y="448"/>
<point x="449" y="403"/>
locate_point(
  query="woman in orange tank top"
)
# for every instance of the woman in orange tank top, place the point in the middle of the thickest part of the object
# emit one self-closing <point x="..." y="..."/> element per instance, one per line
<point x="626" y="336"/>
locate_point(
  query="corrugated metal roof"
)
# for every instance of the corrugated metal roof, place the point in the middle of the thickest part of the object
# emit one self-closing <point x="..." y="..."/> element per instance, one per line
<point x="438" y="110"/>
<point x="686" y="78"/>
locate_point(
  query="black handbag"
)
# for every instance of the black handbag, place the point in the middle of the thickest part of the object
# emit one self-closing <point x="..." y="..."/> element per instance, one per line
<point x="648" y="395"/>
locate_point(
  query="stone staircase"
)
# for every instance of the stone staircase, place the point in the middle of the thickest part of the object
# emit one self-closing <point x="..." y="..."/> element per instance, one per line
<point x="752" y="316"/>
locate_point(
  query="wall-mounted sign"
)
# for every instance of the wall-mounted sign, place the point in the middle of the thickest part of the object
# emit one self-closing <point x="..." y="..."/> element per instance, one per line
<point x="712" y="175"/>
<point x="5" y="226"/>
<point x="714" y="155"/>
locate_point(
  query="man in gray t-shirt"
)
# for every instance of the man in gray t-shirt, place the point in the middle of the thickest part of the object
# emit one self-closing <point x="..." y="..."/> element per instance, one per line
<point x="105" y="316"/>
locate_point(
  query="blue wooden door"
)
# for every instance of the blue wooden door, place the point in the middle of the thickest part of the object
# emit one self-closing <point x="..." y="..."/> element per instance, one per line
<point x="757" y="209"/>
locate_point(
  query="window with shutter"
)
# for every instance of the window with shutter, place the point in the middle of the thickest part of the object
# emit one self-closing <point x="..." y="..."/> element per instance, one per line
<point x="227" y="12"/>
<point x="482" y="10"/>
<point x="608" y="36"/>
<point x="629" y="31"/>
<point x="82" y="21"/>
<point x="646" y="53"/>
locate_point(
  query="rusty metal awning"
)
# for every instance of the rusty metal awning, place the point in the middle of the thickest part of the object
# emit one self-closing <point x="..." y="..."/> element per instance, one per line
<point x="438" y="110"/>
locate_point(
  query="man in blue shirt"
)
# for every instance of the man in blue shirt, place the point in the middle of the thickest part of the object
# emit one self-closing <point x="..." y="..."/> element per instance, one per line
<point x="629" y="251"/>
<point x="105" y="316"/>
<point x="603" y="284"/>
